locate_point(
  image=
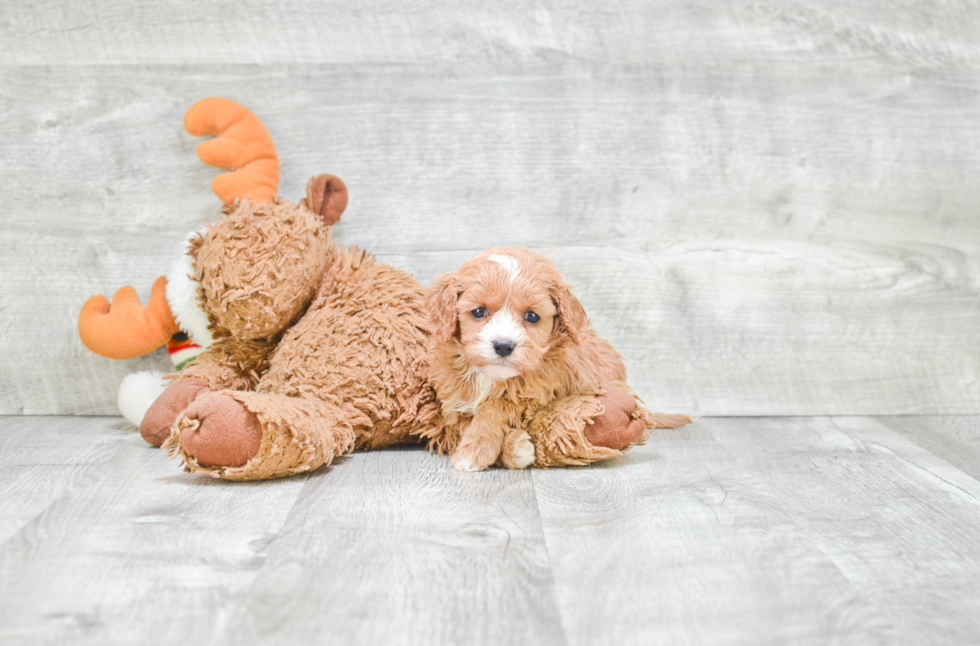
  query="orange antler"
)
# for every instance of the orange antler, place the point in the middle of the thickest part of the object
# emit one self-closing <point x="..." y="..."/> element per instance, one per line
<point x="241" y="144"/>
<point x="127" y="329"/>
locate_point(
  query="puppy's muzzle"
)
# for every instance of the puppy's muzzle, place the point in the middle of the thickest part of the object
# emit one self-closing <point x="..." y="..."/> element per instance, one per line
<point x="504" y="347"/>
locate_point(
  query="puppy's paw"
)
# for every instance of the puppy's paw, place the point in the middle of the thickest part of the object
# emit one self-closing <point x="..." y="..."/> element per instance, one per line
<point x="518" y="452"/>
<point x="466" y="463"/>
<point x="475" y="453"/>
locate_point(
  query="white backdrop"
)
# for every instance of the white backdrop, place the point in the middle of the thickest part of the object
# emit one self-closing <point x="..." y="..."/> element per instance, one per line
<point x="768" y="211"/>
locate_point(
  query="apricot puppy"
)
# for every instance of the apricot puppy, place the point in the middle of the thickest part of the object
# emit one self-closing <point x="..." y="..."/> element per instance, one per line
<point x="510" y="340"/>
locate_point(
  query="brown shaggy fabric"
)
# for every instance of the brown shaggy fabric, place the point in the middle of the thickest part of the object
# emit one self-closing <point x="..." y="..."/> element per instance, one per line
<point x="560" y="431"/>
<point x="229" y="364"/>
<point x="597" y="424"/>
<point x="321" y="349"/>
<point x="343" y="363"/>
<point x="259" y="266"/>
<point x="298" y="434"/>
<point x="362" y="348"/>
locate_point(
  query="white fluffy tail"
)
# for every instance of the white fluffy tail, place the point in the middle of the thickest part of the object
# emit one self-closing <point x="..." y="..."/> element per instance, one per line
<point x="137" y="392"/>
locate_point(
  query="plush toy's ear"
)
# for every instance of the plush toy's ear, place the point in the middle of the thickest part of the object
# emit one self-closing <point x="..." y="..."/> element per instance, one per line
<point x="326" y="196"/>
<point x="572" y="319"/>
<point x="441" y="304"/>
<point x="241" y="144"/>
<point x="126" y="329"/>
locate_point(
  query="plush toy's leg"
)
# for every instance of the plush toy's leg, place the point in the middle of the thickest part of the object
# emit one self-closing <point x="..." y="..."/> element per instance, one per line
<point x="219" y="431"/>
<point x="155" y="427"/>
<point x="226" y="364"/>
<point x="615" y="428"/>
<point x="597" y="424"/>
<point x="257" y="435"/>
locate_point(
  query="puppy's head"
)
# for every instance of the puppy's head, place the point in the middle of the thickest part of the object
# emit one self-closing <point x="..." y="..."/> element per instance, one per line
<point x="506" y="308"/>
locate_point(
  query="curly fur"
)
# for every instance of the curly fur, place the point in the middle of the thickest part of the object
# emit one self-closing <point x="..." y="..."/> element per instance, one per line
<point x="259" y="266"/>
<point x="324" y="350"/>
<point x="558" y="366"/>
<point x="326" y="346"/>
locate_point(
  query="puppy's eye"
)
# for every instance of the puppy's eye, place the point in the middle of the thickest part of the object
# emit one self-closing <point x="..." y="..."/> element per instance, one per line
<point x="479" y="312"/>
<point x="531" y="317"/>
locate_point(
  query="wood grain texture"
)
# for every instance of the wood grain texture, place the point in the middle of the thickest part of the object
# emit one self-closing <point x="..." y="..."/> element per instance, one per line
<point x="134" y="551"/>
<point x="53" y="32"/>
<point x="732" y="531"/>
<point x="954" y="439"/>
<point x="767" y="531"/>
<point x="768" y="210"/>
<point x="42" y="457"/>
<point x="388" y="547"/>
<point x="395" y="547"/>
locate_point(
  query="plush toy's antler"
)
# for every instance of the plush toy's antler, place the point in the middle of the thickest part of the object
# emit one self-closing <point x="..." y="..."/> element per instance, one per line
<point x="127" y="329"/>
<point x="242" y="144"/>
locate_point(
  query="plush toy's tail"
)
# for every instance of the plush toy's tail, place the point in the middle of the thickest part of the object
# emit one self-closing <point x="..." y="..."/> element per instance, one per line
<point x="137" y="392"/>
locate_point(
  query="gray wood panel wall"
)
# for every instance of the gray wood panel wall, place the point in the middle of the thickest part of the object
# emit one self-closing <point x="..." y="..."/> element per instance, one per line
<point x="769" y="210"/>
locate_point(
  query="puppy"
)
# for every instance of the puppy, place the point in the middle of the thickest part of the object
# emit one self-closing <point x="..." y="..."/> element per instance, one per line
<point x="509" y="340"/>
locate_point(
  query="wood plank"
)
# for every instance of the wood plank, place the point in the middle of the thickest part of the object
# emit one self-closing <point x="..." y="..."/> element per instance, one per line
<point x="767" y="530"/>
<point x="955" y="439"/>
<point x="755" y="240"/>
<point x="387" y="547"/>
<point x="731" y="531"/>
<point x="394" y="547"/>
<point x="43" y="457"/>
<point x="136" y="552"/>
<point x="927" y="32"/>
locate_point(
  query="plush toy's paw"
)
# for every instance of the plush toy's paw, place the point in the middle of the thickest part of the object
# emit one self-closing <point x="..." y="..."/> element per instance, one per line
<point x="518" y="451"/>
<point x="160" y="416"/>
<point x="218" y="431"/>
<point x="615" y="428"/>
<point x="476" y="452"/>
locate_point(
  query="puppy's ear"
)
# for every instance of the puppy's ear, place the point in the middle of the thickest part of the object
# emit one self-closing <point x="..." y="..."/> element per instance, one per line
<point x="571" y="314"/>
<point x="441" y="304"/>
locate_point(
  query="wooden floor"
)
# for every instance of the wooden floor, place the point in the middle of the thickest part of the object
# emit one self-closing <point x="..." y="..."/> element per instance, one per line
<point x="812" y="530"/>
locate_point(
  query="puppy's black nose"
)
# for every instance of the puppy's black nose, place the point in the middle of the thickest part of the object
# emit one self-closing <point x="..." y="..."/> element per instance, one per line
<point x="503" y="348"/>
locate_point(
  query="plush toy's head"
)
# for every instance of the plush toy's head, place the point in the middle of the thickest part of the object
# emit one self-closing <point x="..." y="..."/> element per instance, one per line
<point x="259" y="266"/>
<point x="248" y="276"/>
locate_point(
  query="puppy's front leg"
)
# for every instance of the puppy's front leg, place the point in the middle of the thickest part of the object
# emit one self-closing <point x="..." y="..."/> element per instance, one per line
<point x="482" y="441"/>
<point x="518" y="450"/>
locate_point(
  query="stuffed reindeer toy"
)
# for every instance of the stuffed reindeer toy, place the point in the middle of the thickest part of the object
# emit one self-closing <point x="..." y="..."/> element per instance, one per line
<point x="310" y="349"/>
